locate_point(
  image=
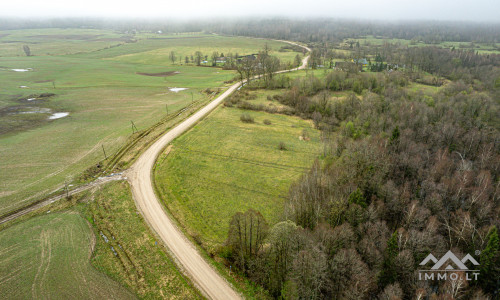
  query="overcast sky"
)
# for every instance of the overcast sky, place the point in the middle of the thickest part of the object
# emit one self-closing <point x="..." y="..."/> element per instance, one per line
<point x="478" y="10"/>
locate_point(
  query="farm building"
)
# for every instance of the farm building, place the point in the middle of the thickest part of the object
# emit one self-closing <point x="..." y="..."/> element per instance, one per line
<point x="361" y="61"/>
<point x="347" y="66"/>
<point x="249" y="57"/>
<point x="220" y="60"/>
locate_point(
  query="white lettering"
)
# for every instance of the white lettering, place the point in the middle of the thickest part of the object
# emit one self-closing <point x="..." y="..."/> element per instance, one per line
<point x="428" y="276"/>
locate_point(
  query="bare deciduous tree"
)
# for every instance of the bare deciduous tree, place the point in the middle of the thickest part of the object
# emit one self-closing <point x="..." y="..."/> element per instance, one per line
<point x="246" y="235"/>
<point x="172" y="56"/>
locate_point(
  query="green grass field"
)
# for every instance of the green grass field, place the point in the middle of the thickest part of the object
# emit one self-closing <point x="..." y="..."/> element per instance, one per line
<point x="63" y="41"/>
<point x="99" y="86"/>
<point x="55" y="41"/>
<point x="101" y="97"/>
<point x="48" y="257"/>
<point x="223" y="166"/>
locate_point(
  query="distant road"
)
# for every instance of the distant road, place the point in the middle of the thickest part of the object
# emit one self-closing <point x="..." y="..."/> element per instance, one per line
<point x="206" y="279"/>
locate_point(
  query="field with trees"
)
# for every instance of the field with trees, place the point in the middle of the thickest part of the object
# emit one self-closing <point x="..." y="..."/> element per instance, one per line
<point x="233" y="161"/>
<point x="332" y="182"/>
<point x="205" y="49"/>
<point x="409" y="167"/>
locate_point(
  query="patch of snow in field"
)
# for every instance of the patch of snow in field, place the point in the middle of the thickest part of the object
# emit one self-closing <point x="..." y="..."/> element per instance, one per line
<point x="33" y="110"/>
<point x="23" y="87"/>
<point x="175" y="89"/>
<point x="58" y="115"/>
<point x="21" y="70"/>
<point x="31" y="99"/>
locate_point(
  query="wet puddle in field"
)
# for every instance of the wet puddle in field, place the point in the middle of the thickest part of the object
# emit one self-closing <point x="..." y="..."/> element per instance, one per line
<point x="27" y="112"/>
<point x="32" y="110"/>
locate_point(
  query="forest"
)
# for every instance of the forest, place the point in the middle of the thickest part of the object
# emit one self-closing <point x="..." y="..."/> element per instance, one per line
<point x="404" y="172"/>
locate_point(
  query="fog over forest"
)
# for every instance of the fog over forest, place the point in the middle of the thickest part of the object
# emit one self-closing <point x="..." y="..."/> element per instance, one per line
<point x="477" y="11"/>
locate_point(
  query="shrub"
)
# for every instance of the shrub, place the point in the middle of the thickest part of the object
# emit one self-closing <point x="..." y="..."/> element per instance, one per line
<point x="267" y="122"/>
<point x="251" y="97"/>
<point x="282" y="146"/>
<point x="246" y="118"/>
<point x="305" y="134"/>
<point x="277" y="97"/>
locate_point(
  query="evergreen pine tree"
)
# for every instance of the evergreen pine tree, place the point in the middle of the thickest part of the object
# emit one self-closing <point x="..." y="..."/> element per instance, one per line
<point x="388" y="274"/>
<point x="490" y="263"/>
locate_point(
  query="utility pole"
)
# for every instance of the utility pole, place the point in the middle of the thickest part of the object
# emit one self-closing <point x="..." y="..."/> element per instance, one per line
<point x="105" y="157"/>
<point x="166" y="106"/>
<point x="66" y="188"/>
<point x="134" y="127"/>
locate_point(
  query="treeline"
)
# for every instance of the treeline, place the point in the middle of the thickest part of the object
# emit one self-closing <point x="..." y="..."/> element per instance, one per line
<point x="453" y="64"/>
<point x="264" y="65"/>
<point x="402" y="175"/>
<point x="308" y="30"/>
<point x="331" y="30"/>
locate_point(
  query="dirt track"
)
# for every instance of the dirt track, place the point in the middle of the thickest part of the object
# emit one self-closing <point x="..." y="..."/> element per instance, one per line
<point x="51" y="200"/>
<point x="207" y="280"/>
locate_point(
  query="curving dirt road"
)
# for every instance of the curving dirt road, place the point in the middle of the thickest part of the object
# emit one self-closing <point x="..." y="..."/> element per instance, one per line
<point x="206" y="279"/>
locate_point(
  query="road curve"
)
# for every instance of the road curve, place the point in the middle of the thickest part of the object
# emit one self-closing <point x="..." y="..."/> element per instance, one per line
<point x="206" y="278"/>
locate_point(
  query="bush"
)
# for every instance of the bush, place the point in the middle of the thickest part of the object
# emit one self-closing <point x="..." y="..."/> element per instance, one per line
<point x="277" y="97"/>
<point x="305" y="135"/>
<point x="246" y="118"/>
<point x="267" y="122"/>
<point x="251" y="97"/>
<point x="282" y="146"/>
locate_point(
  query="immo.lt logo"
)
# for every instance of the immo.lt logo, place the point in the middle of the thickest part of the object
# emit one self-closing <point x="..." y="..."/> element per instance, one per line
<point x="448" y="267"/>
